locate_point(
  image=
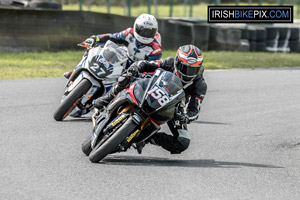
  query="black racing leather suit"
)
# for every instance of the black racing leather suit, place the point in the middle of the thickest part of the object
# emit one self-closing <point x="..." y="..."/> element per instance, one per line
<point x="195" y="93"/>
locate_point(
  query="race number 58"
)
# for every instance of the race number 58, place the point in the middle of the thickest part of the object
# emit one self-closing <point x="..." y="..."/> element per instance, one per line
<point x="159" y="95"/>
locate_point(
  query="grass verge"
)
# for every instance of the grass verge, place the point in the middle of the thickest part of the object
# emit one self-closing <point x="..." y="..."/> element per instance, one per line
<point x="53" y="64"/>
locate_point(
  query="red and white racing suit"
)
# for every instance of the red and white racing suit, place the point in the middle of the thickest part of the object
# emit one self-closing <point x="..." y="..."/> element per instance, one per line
<point x="136" y="50"/>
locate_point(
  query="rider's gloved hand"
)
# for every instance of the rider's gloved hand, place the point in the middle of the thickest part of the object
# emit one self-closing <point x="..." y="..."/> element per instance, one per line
<point x="182" y="118"/>
<point x="92" y="40"/>
<point x="124" y="80"/>
<point x="133" y="69"/>
<point x="99" y="103"/>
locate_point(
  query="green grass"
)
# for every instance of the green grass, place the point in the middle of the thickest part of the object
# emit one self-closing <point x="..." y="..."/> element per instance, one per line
<point x="54" y="64"/>
<point x="37" y="65"/>
<point x="199" y="10"/>
<point x="229" y="60"/>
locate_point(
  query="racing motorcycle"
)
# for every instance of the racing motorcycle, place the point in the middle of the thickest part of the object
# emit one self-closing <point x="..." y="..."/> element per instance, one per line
<point x="94" y="76"/>
<point x="131" y="116"/>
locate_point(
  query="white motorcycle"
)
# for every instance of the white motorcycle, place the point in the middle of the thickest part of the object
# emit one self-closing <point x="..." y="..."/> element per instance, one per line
<point x="96" y="74"/>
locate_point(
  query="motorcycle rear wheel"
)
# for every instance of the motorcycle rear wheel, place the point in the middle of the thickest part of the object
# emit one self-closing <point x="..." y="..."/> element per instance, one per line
<point x="71" y="100"/>
<point x="102" y="149"/>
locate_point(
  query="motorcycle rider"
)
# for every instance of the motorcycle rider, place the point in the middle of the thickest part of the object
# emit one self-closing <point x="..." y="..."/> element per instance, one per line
<point x="187" y="65"/>
<point x="142" y="41"/>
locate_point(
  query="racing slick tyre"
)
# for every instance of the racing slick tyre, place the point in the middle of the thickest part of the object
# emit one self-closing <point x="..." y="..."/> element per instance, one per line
<point x="87" y="146"/>
<point x="110" y="143"/>
<point x="71" y="100"/>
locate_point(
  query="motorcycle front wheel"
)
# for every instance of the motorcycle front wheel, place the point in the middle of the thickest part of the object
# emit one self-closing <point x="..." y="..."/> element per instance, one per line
<point x="87" y="146"/>
<point x="71" y="100"/>
<point x="103" y="148"/>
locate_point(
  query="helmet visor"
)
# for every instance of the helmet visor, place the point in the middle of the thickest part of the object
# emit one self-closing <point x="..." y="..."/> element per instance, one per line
<point x="188" y="72"/>
<point x="145" y="32"/>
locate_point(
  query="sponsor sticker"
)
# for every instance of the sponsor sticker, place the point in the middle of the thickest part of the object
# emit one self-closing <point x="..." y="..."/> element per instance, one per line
<point x="118" y="120"/>
<point x="132" y="135"/>
<point x="137" y="118"/>
<point x="191" y="60"/>
<point x="148" y="23"/>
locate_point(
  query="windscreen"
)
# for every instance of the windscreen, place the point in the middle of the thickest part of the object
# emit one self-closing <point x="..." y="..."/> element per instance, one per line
<point x="170" y="83"/>
<point x="113" y="53"/>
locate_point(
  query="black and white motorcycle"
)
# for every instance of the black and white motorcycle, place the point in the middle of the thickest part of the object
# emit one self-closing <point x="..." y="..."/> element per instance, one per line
<point x="134" y="115"/>
<point x="97" y="72"/>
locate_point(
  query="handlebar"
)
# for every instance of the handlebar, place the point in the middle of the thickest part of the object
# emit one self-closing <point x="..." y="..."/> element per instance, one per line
<point x="84" y="45"/>
<point x="140" y="76"/>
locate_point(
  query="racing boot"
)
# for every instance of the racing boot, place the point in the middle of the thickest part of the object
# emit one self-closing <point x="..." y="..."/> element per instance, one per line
<point x="139" y="146"/>
<point x="105" y="99"/>
<point x="123" y="82"/>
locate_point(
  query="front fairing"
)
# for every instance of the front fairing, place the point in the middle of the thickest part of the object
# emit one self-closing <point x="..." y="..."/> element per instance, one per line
<point x="105" y="67"/>
<point x="163" y="92"/>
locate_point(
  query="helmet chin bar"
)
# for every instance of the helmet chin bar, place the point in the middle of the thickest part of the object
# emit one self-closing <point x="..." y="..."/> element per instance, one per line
<point x="181" y="76"/>
<point x="145" y="27"/>
<point x="142" y="39"/>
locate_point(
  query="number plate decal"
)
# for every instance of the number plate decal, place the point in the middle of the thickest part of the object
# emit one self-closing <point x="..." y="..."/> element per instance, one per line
<point x="158" y="94"/>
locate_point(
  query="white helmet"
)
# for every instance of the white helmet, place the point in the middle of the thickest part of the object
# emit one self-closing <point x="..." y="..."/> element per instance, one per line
<point x="145" y="28"/>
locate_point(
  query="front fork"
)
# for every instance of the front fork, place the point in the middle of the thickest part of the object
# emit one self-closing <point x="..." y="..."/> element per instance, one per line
<point x="144" y="129"/>
<point x="84" y="105"/>
<point x="99" y="132"/>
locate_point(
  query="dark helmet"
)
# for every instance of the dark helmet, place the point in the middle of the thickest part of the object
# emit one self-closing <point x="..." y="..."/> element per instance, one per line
<point x="188" y="62"/>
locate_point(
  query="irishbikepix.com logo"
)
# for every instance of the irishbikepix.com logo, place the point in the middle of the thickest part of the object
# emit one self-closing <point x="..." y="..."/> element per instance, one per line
<point x="250" y="14"/>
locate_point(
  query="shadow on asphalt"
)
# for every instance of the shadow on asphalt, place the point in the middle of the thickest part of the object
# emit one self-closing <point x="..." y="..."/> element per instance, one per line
<point x="89" y="119"/>
<point x="165" y="162"/>
<point x="205" y="122"/>
<point x="79" y="119"/>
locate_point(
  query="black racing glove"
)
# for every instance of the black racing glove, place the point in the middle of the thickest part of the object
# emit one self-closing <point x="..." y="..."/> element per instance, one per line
<point x="133" y="69"/>
<point x="182" y="118"/>
<point x="98" y="103"/>
<point x="124" y="80"/>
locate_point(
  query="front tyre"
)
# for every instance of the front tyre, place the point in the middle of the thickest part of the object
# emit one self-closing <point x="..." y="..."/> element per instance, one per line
<point x="71" y="100"/>
<point x="103" y="148"/>
<point x="87" y="146"/>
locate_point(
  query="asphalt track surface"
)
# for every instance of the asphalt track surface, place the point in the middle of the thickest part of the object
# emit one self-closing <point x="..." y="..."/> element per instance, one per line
<point x="245" y="145"/>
